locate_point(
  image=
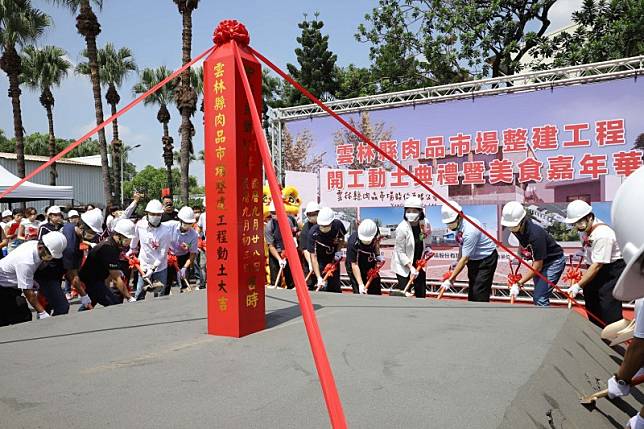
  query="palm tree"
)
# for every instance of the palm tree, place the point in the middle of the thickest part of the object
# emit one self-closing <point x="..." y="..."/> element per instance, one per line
<point x="162" y="97"/>
<point x="114" y="66"/>
<point x="186" y="97"/>
<point x="20" y="24"/>
<point x="43" y="69"/>
<point x="88" y="27"/>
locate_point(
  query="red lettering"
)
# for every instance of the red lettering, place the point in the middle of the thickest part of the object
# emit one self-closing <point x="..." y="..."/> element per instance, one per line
<point x="515" y="140"/>
<point x="344" y="154"/>
<point x="625" y="163"/>
<point x="501" y="171"/>
<point x="435" y="147"/>
<point x="545" y="138"/>
<point x="560" y="167"/>
<point x="610" y="132"/>
<point x="593" y="165"/>
<point x="530" y="170"/>
<point x="410" y="149"/>
<point x="576" y="130"/>
<point x="473" y="173"/>
<point x="460" y="144"/>
<point x="487" y="142"/>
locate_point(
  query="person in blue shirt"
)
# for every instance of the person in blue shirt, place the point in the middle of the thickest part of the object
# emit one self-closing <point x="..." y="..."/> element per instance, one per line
<point x="477" y="252"/>
<point x="546" y="255"/>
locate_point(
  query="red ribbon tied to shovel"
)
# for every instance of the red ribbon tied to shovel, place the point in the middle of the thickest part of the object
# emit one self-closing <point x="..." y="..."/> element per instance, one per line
<point x="513" y="276"/>
<point x="573" y="274"/>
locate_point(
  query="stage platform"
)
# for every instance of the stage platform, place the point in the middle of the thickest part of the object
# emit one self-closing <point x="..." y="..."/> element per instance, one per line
<point x="398" y="363"/>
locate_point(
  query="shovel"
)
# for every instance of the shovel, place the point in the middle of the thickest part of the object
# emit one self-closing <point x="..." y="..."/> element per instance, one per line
<point x="420" y="265"/>
<point x="590" y="399"/>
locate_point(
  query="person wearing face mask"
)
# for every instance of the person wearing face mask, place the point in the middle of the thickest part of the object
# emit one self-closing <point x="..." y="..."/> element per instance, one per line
<point x="325" y="241"/>
<point x="54" y="221"/>
<point x="477" y="252"/>
<point x="605" y="260"/>
<point x="102" y="266"/>
<point x="547" y="256"/>
<point x="363" y="253"/>
<point x="184" y="247"/>
<point x="152" y="240"/>
<point x="17" y="277"/>
<point x="413" y="235"/>
<point x="88" y="229"/>
<point x="275" y="242"/>
<point x="311" y="212"/>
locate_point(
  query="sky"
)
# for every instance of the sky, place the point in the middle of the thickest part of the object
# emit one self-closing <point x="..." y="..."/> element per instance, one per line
<point x="152" y="30"/>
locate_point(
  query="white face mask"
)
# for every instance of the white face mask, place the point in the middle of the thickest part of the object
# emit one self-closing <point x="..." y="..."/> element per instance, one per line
<point x="412" y="217"/>
<point x="154" y="220"/>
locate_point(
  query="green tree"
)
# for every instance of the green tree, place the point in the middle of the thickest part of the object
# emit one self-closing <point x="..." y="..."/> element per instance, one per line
<point x="38" y="144"/>
<point x="151" y="180"/>
<point x="43" y="69"/>
<point x="355" y="82"/>
<point x="20" y="24"/>
<point x="316" y="70"/>
<point x="88" y="26"/>
<point x="162" y="97"/>
<point x="186" y="96"/>
<point x="443" y="41"/>
<point x="605" y="30"/>
<point x="114" y="66"/>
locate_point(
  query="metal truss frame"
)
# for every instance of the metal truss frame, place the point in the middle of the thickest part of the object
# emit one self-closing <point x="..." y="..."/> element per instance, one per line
<point x="500" y="293"/>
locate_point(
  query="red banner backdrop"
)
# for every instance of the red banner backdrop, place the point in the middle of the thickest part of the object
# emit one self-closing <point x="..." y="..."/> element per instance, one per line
<point x="235" y="231"/>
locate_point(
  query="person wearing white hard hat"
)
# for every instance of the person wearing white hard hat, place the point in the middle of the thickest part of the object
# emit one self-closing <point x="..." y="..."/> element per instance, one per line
<point x="184" y="247"/>
<point x="312" y="210"/>
<point x="605" y="263"/>
<point x="628" y="204"/>
<point x="73" y="217"/>
<point x="152" y="240"/>
<point x="413" y="239"/>
<point x="7" y="215"/>
<point x="275" y="241"/>
<point x="54" y="221"/>
<point x="363" y="254"/>
<point x="477" y="252"/>
<point x="326" y="240"/>
<point x="537" y="246"/>
<point x="17" y="277"/>
<point x="102" y="266"/>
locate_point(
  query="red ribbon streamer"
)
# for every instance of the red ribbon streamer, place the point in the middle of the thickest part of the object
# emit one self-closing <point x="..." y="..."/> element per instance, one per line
<point x="402" y="168"/>
<point x="327" y="381"/>
<point x="375" y="271"/>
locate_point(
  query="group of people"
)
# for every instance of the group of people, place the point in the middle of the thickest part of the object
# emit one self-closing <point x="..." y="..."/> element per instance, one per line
<point x="45" y="262"/>
<point x="322" y="238"/>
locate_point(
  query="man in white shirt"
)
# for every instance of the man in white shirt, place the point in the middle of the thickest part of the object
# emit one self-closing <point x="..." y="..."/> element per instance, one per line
<point x="17" y="277"/>
<point x="184" y="247"/>
<point x="605" y="260"/>
<point x="153" y="239"/>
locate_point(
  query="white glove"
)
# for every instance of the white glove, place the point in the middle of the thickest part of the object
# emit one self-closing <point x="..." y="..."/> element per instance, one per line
<point x="148" y="272"/>
<point x="43" y="315"/>
<point x="362" y="289"/>
<point x="446" y="284"/>
<point x="514" y="290"/>
<point x="131" y="299"/>
<point x="413" y="272"/>
<point x="282" y="263"/>
<point x="321" y="282"/>
<point x="616" y="390"/>
<point x="182" y="272"/>
<point x="636" y="422"/>
<point x="380" y="258"/>
<point x="130" y="253"/>
<point x="85" y="300"/>
<point x="337" y="256"/>
<point x="574" y="290"/>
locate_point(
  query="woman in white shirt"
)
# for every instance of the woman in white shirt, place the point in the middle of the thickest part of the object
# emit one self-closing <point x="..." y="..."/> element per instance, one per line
<point x="28" y="229"/>
<point x="413" y="236"/>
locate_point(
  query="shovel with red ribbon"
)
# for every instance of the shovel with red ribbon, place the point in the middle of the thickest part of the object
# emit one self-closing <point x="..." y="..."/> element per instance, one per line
<point x="446" y="275"/>
<point x="134" y="263"/>
<point x="373" y="273"/>
<point x="420" y="265"/>
<point x="328" y="271"/>
<point x="513" y="276"/>
<point x="573" y="274"/>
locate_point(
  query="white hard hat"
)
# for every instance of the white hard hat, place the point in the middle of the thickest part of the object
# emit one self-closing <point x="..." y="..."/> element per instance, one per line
<point x="325" y="217"/>
<point x="271" y="207"/>
<point x="576" y="210"/>
<point x="187" y="215"/>
<point x="312" y="207"/>
<point x="94" y="219"/>
<point x="513" y="214"/>
<point x="447" y="214"/>
<point x="154" y="206"/>
<point x="53" y="210"/>
<point x="626" y="212"/>
<point x="367" y="230"/>
<point x="55" y="242"/>
<point x="7" y="213"/>
<point x="72" y="213"/>
<point x="125" y="227"/>
<point x="413" y="203"/>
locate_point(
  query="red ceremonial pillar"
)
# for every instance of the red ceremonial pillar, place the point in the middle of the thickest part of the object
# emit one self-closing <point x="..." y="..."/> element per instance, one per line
<point x="235" y="228"/>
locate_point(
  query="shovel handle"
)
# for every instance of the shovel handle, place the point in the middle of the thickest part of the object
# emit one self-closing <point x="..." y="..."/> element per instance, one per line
<point x="440" y="293"/>
<point x="511" y="299"/>
<point x="604" y="393"/>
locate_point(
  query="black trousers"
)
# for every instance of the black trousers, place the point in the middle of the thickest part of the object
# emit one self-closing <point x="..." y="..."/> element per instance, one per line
<point x="13" y="307"/>
<point x="598" y="294"/>
<point x="480" y="275"/>
<point x="375" y="287"/>
<point x="274" y="266"/>
<point x="101" y="294"/>
<point x="172" y="274"/>
<point x="419" y="285"/>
